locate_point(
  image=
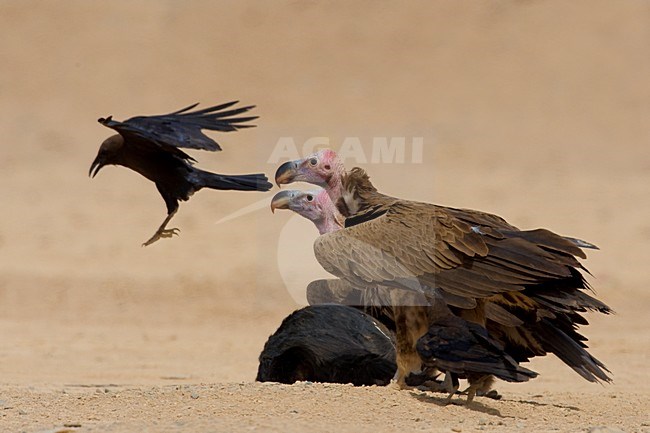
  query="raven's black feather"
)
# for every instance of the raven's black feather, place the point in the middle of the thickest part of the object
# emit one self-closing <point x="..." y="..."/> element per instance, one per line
<point x="183" y="128"/>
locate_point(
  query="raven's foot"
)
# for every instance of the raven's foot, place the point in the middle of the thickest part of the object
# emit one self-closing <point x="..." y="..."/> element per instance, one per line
<point x="160" y="234"/>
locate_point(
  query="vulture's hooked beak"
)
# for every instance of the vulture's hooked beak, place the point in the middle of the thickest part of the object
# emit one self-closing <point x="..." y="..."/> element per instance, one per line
<point x="286" y="173"/>
<point x="97" y="165"/>
<point x="282" y="200"/>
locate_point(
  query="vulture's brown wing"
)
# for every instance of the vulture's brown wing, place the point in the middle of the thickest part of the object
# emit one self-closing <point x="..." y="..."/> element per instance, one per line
<point x="414" y="244"/>
<point x="183" y="128"/>
<point x="489" y="222"/>
<point x="479" y="218"/>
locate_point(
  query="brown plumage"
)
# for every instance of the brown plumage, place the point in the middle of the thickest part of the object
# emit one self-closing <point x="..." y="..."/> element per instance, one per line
<point x="463" y="349"/>
<point x="403" y="311"/>
<point x="524" y="286"/>
<point x="410" y="244"/>
<point x="533" y="321"/>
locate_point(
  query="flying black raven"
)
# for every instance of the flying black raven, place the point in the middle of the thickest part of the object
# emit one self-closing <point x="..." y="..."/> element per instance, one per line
<point x="150" y="146"/>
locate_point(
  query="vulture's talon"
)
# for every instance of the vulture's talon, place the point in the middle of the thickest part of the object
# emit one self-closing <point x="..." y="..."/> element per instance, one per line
<point x="493" y="394"/>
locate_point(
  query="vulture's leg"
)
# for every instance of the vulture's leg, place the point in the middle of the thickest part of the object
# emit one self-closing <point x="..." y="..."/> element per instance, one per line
<point x="481" y="384"/>
<point x="411" y="323"/>
<point x="408" y="362"/>
<point x="451" y="383"/>
<point x="471" y="392"/>
<point x="485" y="388"/>
<point x="163" y="232"/>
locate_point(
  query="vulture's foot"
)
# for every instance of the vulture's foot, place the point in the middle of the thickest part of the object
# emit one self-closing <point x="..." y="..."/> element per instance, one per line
<point x="471" y="392"/>
<point x="481" y="387"/>
<point x="425" y="382"/>
<point x="399" y="383"/>
<point x="409" y="367"/>
<point x="160" y="234"/>
<point x="434" y="386"/>
<point x="401" y="380"/>
<point x="493" y="394"/>
<point x="417" y="379"/>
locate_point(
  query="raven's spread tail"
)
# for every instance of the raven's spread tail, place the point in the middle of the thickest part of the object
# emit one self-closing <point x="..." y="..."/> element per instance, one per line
<point x="243" y="182"/>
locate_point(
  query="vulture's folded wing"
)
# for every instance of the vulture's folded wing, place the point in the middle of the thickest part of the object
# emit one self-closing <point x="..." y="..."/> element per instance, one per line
<point x="418" y="245"/>
<point x="183" y="128"/>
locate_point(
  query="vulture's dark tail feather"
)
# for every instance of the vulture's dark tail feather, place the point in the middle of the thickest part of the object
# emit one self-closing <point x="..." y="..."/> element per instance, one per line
<point x="244" y="182"/>
<point x="572" y="353"/>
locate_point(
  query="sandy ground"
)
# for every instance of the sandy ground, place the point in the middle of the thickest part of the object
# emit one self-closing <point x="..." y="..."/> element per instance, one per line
<point x="535" y="110"/>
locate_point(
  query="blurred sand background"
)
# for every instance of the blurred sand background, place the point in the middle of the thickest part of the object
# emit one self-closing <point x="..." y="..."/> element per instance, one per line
<point x="538" y="111"/>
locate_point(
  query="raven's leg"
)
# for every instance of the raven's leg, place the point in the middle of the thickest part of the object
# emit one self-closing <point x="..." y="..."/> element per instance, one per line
<point x="163" y="232"/>
<point x="172" y="207"/>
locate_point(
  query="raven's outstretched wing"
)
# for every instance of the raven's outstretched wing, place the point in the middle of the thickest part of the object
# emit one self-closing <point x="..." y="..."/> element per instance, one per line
<point x="183" y="128"/>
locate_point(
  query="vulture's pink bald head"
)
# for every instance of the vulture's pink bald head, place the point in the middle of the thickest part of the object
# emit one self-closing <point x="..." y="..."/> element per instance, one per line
<point x="324" y="168"/>
<point x="316" y="206"/>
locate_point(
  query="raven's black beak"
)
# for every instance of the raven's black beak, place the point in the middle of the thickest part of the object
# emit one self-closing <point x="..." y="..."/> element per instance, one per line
<point x="286" y="173"/>
<point x="281" y="200"/>
<point x="97" y="165"/>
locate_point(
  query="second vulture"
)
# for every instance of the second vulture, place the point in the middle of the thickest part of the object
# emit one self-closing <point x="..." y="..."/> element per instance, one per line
<point x="523" y="286"/>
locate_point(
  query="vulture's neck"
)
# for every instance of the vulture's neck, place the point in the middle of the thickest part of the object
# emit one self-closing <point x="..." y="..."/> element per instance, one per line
<point x="331" y="221"/>
<point x="335" y="188"/>
<point x="328" y="224"/>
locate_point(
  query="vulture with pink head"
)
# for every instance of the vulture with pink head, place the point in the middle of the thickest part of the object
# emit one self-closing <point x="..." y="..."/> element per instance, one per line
<point x="525" y="287"/>
<point x="440" y="341"/>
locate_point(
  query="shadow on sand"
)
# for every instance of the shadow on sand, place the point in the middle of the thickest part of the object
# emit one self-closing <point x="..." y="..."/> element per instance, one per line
<point x="442" y="401"/>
